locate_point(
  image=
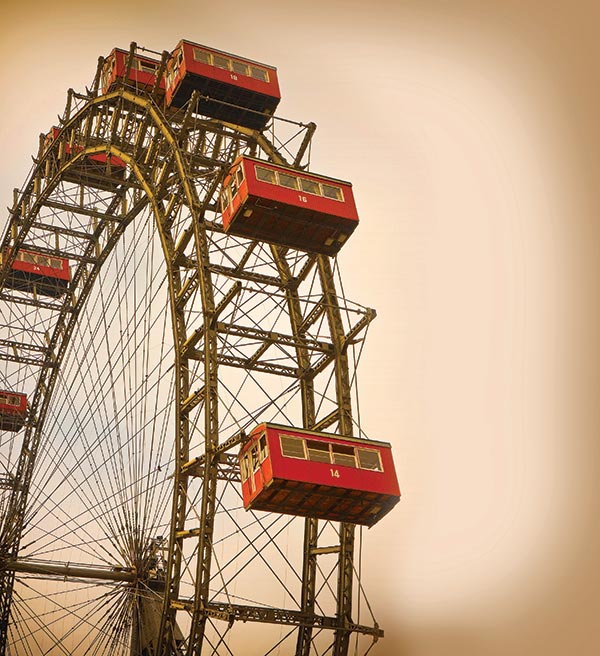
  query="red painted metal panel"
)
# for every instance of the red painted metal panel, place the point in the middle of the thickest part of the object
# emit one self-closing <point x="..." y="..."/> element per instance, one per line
<point x="176" y="72"/>
<point x="319" y="473"/>
<point x="345" y="208"/>
<point x="259" y="476"/>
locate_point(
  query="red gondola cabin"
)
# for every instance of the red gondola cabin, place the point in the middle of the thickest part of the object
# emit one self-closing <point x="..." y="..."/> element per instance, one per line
<point x="141" y="74"/>
<point x="238" y="90"/>
<point x="38" y="272"/>
<point x="13" y="410"/>
<point x="298" y="472"/>
<point x="284" y="206"/>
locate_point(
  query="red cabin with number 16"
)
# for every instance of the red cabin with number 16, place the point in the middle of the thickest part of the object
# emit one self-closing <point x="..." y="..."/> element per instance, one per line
<point x="285" y="206"/>
<point x="300" y="472"/>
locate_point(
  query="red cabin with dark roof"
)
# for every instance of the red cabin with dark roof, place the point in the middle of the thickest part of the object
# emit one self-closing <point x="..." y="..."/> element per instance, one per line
<point x="141" y="74"/>
<point x="237" y="90"/>
<point x="288" y="207"/>
<point x="13" y="410"/>
<point x="41" y="273"/>
<point x="298" y="472"/>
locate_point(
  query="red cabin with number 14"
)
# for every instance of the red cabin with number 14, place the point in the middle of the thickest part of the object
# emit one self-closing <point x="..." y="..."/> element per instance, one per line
<point x="299" y="472"/>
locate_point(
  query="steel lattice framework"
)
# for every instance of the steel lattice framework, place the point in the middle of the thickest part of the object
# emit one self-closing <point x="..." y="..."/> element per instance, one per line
<point x="122" y="531"/>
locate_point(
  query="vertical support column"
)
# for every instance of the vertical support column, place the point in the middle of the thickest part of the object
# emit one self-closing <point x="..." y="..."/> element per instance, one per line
<point x="211" y="440"/>
<point x="346" y="554"/>
<point x="182" y="447"/>
<point x="309" y="583"/>
<point x="311" y="526"/>
<point x="169" y="643"/>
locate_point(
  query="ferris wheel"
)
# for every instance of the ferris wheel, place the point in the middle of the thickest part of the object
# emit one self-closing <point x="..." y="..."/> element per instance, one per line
<point x="181" y="470"/>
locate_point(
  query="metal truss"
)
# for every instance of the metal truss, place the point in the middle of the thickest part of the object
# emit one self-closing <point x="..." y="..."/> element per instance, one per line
<point x="127" y="459"/>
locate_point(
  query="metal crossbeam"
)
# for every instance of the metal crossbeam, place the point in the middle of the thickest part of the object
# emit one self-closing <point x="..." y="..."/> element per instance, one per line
<point x="246" y="613"/>
<point x="194" y="467"/>
<point x="68" y="571"/>
<point x="251" y="276"/>
<point x="57" y="306"/>
<point x="263" y="367"/>
<point x="271" y="337"/>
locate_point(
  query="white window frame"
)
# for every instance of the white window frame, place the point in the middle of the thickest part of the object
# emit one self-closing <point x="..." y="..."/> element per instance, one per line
<point x="205" y="52"/>
<point x="253" y="67"/>
<point x="341" y="464"/>
<point x="298" y="187"/>
<point x="326" y="184"/>
<point x="264" y="168"/>
<point x="293" y="437"/>
<point x="263" y="455"/>
<point x="244" y="468"/>
<point x="362" y="448"/>
<point x="329" y="451"/>
<point x="143" y="66"/>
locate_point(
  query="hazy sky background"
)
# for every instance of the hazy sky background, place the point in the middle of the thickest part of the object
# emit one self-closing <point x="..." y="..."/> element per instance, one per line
<point x="470" y="133"/>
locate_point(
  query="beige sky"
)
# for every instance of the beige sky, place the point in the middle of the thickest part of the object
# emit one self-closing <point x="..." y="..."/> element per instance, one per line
<point x="470" y="137"/>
